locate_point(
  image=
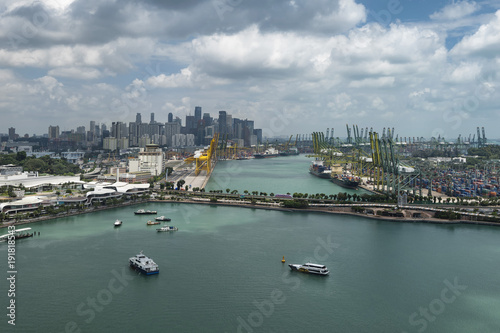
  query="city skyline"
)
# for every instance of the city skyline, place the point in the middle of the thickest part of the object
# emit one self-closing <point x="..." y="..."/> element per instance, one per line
<point x="198" y="130"/>
<point x="427" y="68"/>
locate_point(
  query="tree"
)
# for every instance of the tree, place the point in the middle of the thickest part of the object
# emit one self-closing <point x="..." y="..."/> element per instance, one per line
<point x="228" y="190"/>
<point x="21" y="156"/>
<point x="180" y="183"/>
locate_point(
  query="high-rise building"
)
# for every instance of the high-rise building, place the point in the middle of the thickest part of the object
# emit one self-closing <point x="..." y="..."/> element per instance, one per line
<point x="258" y="133"/>
<point x="229" y="126"/>
<point x="197" y="113"/>
<point x="152" y="121"/>
<point x="132" y="134"/>
<point x="172" y="129"/>
<point x="12" y="133"/>
<point x="222" y="122"/>
<point x="116" y="129"/>
<point x="53" y="132"/>
<point x="151" y="159"/>
<point x="190" y="124"/>
<point x="207" y="119"/>
<point x="170" y="117"/>
<point x="138" y="118"/>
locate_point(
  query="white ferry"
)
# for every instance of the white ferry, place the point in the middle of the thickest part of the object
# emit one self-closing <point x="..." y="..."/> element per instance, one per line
<point x="167" y="228"/>
<point x="145" y="212"/>
<point x="310" y="268"/>
<point x="144" y="264"/>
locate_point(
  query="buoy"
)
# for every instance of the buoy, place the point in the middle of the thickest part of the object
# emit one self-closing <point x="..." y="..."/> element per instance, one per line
<point x="283" y="260"/>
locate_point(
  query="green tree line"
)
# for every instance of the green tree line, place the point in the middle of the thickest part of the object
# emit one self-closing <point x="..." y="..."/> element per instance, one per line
<point x="43" y="164"/>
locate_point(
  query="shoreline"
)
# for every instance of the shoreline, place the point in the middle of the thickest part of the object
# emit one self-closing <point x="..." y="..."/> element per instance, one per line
<point x="323" y="210"/>
<point x="336" y="212"/>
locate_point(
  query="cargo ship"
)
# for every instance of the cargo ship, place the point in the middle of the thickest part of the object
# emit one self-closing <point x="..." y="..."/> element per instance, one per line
<point x="319" y="170"/>
<point x="290" y="152"/>
<point x="271" y="152"/>
<point x="345" y="181"/>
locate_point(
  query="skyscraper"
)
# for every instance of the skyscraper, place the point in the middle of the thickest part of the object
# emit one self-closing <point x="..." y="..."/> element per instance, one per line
<point x="138" y="118"/>
<point x="53" y="132"/>
<point x="12" y="133"/>
<point x="197" y="113"/>
<point x="190" y="124"/>
<point x="152" y="118"/>
<point x="207" y="119"/>
<point x="222" y="122"/>
<point x="170" y="117"/>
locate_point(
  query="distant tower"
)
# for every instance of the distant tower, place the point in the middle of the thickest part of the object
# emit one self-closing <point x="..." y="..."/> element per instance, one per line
<point x="222" y="122"/>
<point x="152" y="118"/>
<point x="12" y="133"/>
<point x="170" y="117"/>
<point x="138" y="118"/>
<point x="53" y="132"/>
<point x="207" y="119"/>
<point x="197" y="113"/>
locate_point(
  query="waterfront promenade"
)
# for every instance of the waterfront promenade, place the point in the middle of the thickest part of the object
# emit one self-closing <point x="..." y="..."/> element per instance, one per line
<point x="407" y="213"/>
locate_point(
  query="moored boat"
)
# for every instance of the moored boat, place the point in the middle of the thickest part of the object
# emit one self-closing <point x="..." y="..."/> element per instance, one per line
<point x="153" y="222"/>
<point x="167" y="228"/>
<point x="310" y="268"/>
<point x="318" y="169"/>
<point x="17" y="234"/>
<point x="144" y="264"/>
<point x="345" y="181"/>
<point x="290" y="152"/>
<point x="162" y="218"/>
<point x="271" y="152"/>
<point x="144" y="212"/>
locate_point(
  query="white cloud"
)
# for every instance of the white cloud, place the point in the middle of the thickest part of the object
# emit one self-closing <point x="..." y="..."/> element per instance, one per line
<point x="349" y="14"/>
<point x="84" y="73"/>
<point x="378" y="103"/>
<point x="464" y="72"/>
<point x="381" y="82"/>
<point x="485" y="42"/>
<point x="456" y="10"/>
<point x="183" y="79"/>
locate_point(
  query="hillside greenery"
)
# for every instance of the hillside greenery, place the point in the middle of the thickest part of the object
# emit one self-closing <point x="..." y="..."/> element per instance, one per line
<point x="43" y="164"/>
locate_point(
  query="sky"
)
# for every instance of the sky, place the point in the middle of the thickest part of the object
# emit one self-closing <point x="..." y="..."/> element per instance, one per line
<point x="425" y="67"/>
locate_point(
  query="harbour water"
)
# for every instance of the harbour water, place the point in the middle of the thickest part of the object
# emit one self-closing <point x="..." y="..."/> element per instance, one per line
<point x="278" y="175"/>
<point x="222" y="271"/>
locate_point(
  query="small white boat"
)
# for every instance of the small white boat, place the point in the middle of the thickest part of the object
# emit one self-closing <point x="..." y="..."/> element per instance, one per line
<point x="162" y="218"/>
<point x="310" y="268"/>
<point x="144" y="212"/>
<point x="118" y="223"/>
<point x="167" y="228"/>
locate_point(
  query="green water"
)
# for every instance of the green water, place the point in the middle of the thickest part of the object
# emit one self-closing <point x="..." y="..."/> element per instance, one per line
<point x="222" y="272"/>
<point x="278" y="175"/>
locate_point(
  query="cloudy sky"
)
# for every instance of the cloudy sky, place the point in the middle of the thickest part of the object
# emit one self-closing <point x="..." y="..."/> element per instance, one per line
<point x="425" y="67"/>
